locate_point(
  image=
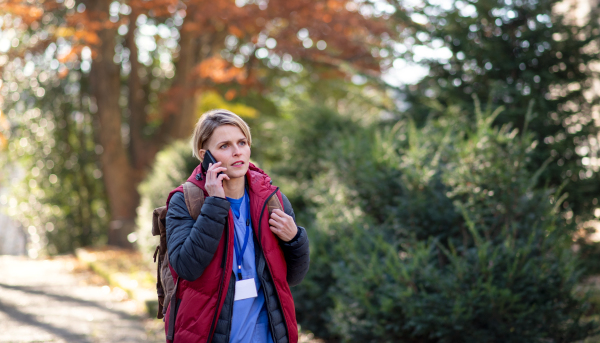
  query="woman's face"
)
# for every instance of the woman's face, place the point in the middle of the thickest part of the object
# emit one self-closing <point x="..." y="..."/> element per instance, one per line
<point x="230" y="147"/>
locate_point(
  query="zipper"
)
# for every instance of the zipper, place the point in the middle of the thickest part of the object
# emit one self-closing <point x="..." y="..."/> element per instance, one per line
<point x="267" y="301"/>
<point x="223" y="264"/>
<point x="267" y="266"/>
<point x="214" y="321"/>
<point x="229" y="327"/>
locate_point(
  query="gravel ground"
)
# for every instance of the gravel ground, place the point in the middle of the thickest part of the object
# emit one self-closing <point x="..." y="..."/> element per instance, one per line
<point x="59" y="300"/>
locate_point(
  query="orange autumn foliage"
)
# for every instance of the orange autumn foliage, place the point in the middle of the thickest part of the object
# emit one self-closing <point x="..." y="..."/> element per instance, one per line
<point x="71" y="55"/>
<point x="219" y="71"/>
<point x="28" y="12"/>
<point x="202" y="59"/>
<point x="348" y="34"/>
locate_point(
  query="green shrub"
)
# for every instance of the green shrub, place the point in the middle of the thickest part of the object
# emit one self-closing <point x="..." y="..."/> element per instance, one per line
<point x="438" y="235"/>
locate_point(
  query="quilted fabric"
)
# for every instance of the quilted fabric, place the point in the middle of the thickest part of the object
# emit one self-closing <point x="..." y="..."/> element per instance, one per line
<point x="200" y="251"/>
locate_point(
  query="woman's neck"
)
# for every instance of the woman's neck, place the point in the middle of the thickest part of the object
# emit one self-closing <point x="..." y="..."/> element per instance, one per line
<point x="234" y="188"/>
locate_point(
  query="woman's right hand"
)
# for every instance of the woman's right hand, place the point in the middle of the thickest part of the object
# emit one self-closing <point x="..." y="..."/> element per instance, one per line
<point x="214" y="183"/>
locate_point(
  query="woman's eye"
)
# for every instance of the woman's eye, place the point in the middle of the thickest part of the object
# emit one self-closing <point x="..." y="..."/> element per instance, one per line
<point x="223" y="146"/>
<point x="242" y="143"/>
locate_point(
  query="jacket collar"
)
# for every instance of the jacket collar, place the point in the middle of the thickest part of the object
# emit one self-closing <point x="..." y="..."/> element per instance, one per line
<point x="258" y="182"/>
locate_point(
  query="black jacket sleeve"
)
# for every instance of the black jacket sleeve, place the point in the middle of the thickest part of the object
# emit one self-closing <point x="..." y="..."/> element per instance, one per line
<point x="296" y="251"/>
<point x="192" y="244"/>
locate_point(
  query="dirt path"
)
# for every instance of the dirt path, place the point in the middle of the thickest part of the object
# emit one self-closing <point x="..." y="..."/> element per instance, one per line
<point x="55" y="301"/>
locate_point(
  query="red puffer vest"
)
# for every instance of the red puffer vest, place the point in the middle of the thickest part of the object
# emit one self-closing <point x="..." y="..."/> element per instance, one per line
<point x="202" y="299"/>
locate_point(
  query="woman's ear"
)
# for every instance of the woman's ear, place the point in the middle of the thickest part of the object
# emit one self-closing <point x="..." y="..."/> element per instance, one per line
<point x="201" y="153"/>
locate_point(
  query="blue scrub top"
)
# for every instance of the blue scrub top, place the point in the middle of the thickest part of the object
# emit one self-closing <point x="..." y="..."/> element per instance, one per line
<point x="250" y="321"/>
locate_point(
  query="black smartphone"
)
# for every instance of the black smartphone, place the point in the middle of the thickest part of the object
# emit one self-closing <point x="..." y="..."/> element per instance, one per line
<point x="208" y="158"/>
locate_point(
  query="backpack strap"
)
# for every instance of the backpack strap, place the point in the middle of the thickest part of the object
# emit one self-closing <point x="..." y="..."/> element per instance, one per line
<point x="274" y="204"/>
<point x="173" y="304"/>
<point x="194" y="198"/>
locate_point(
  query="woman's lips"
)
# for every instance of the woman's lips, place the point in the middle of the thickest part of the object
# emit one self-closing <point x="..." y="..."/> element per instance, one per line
<point x="238" y="164"/>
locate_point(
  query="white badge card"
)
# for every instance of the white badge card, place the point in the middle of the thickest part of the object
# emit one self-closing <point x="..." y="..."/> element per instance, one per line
<point x="245" y="289"/>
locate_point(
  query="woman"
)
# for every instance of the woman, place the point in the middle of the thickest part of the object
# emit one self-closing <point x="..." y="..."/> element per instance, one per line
<point x="235" y="263"/>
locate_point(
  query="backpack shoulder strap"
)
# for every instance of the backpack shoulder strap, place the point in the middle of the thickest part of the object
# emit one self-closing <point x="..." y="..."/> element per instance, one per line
<point x="158" y="220"/>
<point x="194" y="198"/>
<point x="274" y="203"/>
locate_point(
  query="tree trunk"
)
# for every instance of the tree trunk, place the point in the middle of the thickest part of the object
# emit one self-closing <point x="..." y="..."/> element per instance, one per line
<point x="123" y="168"/>
<point x="180" y="106"/>
<point x="118" y="175"/>
<point x="138" y="100"/>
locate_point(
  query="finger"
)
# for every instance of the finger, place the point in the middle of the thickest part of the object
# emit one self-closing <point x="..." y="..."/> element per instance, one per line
<point x="211" y="166"/>
<point x="216" y="171"/>
<point x="275" y="223"/>
<point x="208" y="171"/>
<point x="276" y="216"/>
<point x="222" y="177"/>
<point x="212" y="173"/>
<point x="282" y="214"/>
<point x="281" y="219"/>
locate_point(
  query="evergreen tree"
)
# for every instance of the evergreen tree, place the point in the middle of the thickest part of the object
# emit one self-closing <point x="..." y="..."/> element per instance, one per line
<point x="435" y="234"/>
<point x="516" y="53"/>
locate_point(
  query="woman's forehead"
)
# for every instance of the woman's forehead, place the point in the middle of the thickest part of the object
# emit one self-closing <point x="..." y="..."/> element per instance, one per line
<point x="226" y="133"/>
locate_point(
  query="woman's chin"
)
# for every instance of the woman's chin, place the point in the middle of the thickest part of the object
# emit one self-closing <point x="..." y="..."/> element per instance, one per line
<point x="235" y="174"/>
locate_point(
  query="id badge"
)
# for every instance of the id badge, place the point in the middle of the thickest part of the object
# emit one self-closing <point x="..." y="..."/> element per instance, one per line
<point x="245" y="289"/>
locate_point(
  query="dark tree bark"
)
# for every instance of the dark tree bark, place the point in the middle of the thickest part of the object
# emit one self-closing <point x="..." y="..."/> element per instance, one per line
<point x="202" y="35"/>
<point x="202" y="38"/>
<point x="123" y="168"/>
<point x="119" y="180"/>
<point x="179" y="108"/>
<point x="137" y="101"/>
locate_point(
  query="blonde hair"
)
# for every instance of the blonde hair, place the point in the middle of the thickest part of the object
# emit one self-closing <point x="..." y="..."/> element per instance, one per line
<point x="207" y="124"/>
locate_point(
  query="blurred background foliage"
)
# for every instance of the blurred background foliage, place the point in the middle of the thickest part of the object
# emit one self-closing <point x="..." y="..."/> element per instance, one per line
<point x="438" y="234"/>
<point x="513" y="54"/>
<point x="443" y="155"/>
<point x="61" y="200"/>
